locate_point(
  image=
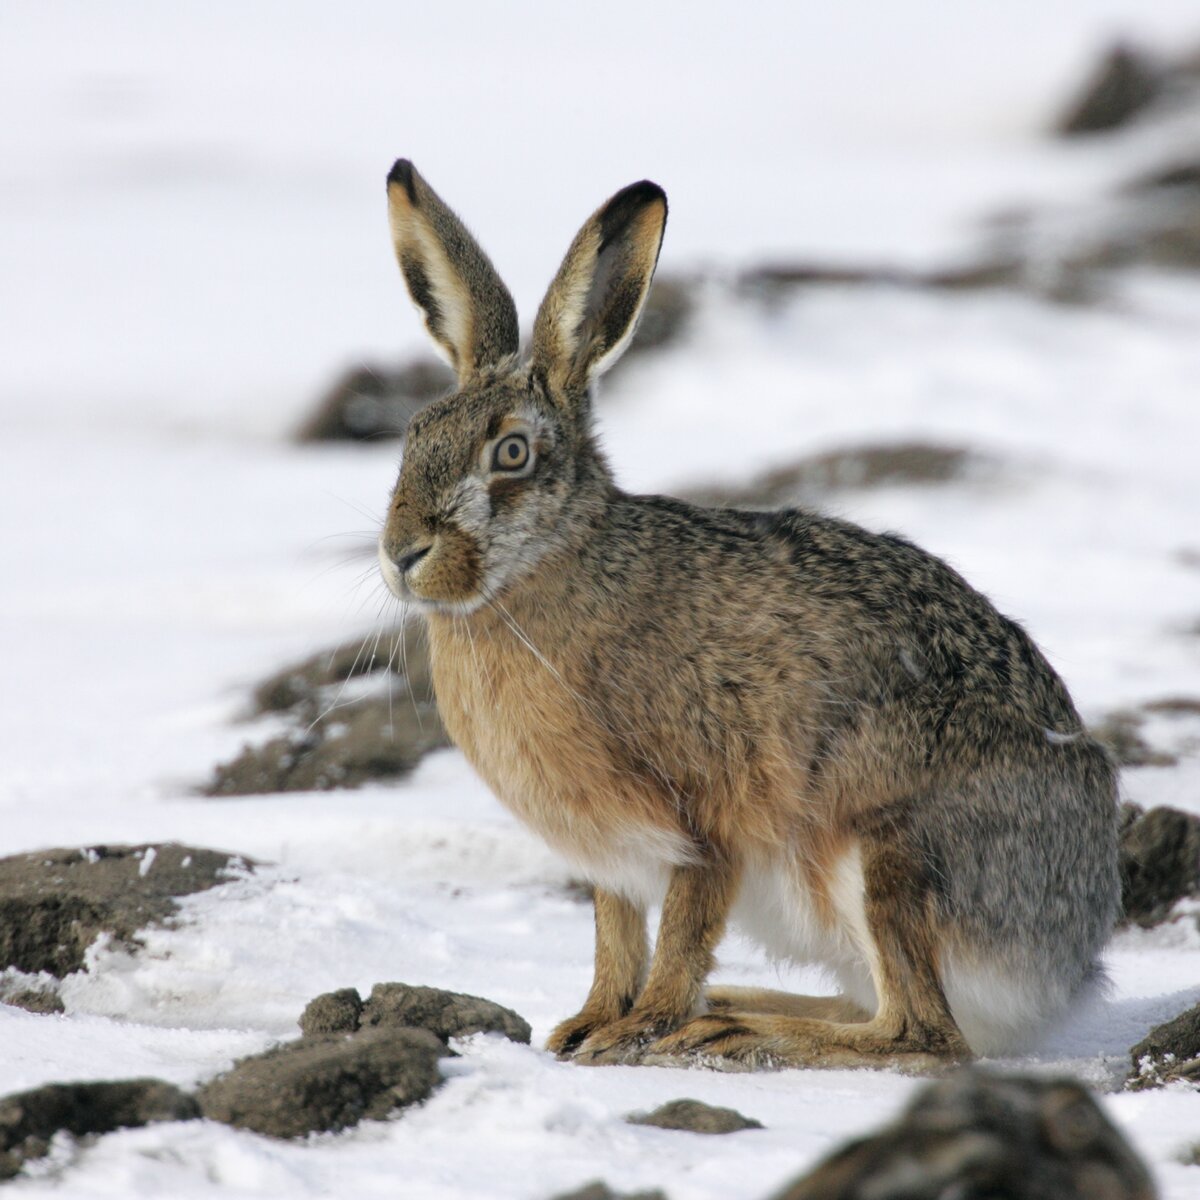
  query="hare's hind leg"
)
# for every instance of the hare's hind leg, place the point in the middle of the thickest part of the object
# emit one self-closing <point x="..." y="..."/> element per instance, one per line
<point x="912" y="1028"/>
<point x="768" y="1002"/>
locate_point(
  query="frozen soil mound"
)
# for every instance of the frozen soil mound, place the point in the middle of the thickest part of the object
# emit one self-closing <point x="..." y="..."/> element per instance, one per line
<point x="341" y="737"/>
<point x="55" y="903"/>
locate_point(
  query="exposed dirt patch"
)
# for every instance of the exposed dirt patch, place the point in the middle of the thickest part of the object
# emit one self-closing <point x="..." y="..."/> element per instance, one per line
<point x="55" y="903"/>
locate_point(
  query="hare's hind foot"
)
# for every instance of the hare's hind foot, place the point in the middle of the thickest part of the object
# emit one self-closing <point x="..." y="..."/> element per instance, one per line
<point x="759" y="1041"/>
<point x="766" y="1001"/>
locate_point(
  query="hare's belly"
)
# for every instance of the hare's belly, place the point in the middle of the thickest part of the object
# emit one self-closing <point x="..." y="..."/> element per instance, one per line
<point x="776" y="908"/>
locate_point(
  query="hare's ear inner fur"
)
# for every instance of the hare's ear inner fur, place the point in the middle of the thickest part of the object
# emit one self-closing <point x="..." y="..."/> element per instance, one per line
<point x="592" y="308"/>
<point x="467" y="309"/>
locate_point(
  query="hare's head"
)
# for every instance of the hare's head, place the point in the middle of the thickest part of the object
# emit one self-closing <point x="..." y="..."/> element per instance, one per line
<point x="502" y="471"/>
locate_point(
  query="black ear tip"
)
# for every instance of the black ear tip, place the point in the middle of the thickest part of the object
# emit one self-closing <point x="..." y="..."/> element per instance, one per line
<point x="628" y="204"/>
<point x="639" y="195"/>
<point x="403" y="173"/>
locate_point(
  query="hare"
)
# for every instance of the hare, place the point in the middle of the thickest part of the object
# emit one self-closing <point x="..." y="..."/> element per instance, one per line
<point x="776" y="718"/>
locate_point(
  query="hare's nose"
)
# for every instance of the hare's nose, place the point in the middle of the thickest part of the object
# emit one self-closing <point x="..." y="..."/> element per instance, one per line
<point x="407" y="561"/>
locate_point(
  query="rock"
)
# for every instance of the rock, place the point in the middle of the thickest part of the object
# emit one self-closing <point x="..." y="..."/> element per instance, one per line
<point x="1123" y="85"/>
<point x="813" y="478"/>
<point x="601" y="1191"/>
<point x="55" y="903"/>
<point x="694" y="1116"/>
<point x="446" y="1014"/>
<point x="28" y="1120"/>
<point x="1160" y="862"/>
<point x="332" y="1012"/>
<point x="1120" y="734"/>
<point x="326" y="1083"/>
<point x="380" y="737"/>
<point x="1168" y="1052"/>
<point x="372" y="402"/>
<point x="979" y="1134"/>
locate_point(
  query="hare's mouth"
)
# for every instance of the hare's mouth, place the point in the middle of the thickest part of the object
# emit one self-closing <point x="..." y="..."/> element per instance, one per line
<point x="442" y="575"/>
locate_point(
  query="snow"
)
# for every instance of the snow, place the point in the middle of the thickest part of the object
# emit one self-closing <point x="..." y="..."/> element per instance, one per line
<point x="192" y="242"/>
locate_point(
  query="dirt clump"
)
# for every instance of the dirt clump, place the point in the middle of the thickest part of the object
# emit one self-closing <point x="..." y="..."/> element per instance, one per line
<point x="396" y="1005"/>
<point x="1169" y="1052"/>
<point x="1159" y="861"/>
<point x="372" y="402"/>
<point x="813" y="478"/>
<point x="28" y="1120"/>
<point x="980" y="1134"/>
<point x="1120" y="734"/>
<point x="598" y="1190"/>
<point x="326" y="1083"/>
<point x="694" y="1116"/>
<point x="360" y="712"/>
<point x="370" y="739"/>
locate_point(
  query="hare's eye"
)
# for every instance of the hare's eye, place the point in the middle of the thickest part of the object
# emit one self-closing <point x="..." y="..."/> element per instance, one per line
<point x="511" y="453"/>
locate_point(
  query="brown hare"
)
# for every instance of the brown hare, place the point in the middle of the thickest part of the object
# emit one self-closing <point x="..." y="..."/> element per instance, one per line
<point x="822" y="734"/>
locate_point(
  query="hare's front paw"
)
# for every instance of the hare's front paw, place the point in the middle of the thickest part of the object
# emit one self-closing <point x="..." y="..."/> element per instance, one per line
<point x="624" y="1041"/>
<point x="570" y="1034"/>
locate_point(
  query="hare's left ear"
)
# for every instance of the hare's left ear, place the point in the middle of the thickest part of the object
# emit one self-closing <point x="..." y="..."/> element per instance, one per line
<point x="467" y="309"/>
<point x="592" y="308"/>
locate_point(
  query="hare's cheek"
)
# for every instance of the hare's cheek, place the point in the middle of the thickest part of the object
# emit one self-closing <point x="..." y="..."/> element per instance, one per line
<point x="453" y="571"/>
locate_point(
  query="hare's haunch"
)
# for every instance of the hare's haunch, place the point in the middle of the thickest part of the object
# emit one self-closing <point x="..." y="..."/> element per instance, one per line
<point x="823" y="734"/>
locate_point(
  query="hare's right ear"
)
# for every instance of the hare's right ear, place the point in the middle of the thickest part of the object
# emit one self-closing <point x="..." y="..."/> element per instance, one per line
<point x="467" y="310"/>
<point x="592" y="308"/>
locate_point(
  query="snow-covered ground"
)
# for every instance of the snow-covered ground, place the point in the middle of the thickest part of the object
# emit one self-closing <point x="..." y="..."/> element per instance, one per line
<point x="191" y="224"/>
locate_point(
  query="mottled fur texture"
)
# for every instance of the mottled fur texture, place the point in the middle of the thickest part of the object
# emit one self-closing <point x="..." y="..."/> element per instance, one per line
<point x="822" y="733"/>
